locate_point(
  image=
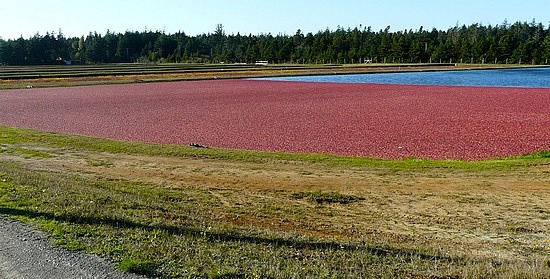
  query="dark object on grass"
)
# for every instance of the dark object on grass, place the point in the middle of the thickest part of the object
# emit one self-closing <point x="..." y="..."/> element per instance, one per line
<point x="197" y="145"/>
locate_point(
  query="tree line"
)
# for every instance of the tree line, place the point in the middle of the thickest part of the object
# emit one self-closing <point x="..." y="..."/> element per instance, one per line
<point x="517" y="43"/>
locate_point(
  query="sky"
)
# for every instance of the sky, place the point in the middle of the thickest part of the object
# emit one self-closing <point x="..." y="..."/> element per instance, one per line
<point x="77" y="18"/>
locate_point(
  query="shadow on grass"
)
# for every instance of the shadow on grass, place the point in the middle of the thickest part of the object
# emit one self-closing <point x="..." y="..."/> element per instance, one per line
<point x="227" y="237"/>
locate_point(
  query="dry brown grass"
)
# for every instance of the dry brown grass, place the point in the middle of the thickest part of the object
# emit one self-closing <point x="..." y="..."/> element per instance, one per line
<point x="492" y="213"/>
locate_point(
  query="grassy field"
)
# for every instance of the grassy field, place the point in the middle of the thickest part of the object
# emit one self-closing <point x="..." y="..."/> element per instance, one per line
<point x="178" y="211"/>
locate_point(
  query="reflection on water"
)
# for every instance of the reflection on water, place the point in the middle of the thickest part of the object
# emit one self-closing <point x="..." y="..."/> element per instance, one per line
<point x="525" y="77"/>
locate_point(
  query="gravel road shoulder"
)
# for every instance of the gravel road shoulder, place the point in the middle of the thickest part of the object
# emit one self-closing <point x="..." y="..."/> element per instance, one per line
<point x="27" y="253"/>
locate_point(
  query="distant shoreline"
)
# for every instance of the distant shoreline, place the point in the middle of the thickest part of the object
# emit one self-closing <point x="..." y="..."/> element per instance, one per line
<point x="16" y="77"/>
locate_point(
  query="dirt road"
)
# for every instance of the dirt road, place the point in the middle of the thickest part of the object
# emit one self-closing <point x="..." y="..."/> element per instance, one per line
<point x="27" y="254"/>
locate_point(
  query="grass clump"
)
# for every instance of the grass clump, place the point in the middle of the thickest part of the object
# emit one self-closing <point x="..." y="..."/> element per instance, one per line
<point x="327" y="197"/>
<point x="138" y="266"/>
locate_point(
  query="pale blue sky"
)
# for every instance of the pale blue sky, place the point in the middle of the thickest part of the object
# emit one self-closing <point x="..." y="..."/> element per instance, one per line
<point x="75" y="18"/>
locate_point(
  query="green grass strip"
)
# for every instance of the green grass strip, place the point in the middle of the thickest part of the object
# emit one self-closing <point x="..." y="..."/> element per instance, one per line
<point x="9" y="135"/>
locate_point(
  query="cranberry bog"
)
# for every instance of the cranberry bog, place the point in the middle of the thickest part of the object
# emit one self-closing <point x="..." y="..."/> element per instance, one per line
<point x="368" y="120"/>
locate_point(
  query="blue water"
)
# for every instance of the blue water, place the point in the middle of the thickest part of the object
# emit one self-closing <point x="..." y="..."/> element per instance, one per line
<point x="525" y="77"/>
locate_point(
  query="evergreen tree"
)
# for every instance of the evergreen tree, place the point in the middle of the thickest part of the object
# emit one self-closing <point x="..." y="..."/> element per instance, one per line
<point x="505" y="43"/>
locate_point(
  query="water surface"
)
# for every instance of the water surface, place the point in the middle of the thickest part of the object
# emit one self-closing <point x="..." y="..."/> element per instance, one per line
<point x="524" y="77"/>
